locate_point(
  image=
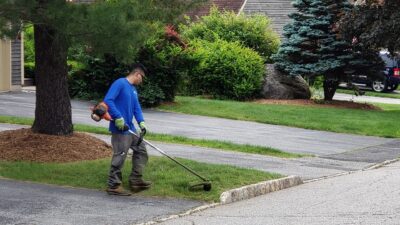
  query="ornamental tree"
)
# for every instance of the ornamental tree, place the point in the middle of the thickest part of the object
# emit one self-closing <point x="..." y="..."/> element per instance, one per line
<point x="313" y="47"/>
<point x="374" y="24"/>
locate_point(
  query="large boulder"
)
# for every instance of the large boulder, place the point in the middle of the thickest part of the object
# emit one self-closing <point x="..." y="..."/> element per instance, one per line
<point x="282" y="86"/>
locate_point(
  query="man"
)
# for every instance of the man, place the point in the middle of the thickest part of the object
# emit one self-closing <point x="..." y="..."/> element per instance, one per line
<point x="123" y="105"/>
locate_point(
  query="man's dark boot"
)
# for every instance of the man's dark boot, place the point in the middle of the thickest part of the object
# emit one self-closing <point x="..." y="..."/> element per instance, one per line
<point x="119" y="190"/>
<point x="139" y="185"/>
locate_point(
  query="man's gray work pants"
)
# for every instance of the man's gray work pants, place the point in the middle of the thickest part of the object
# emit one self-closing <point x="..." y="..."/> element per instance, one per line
<point x="121" y="144"/>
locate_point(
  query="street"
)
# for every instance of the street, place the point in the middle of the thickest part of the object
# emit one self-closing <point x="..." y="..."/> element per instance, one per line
<point x="366" y="197"/>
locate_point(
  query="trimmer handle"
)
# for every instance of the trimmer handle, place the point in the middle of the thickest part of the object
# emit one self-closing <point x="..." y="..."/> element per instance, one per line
<point x="140" y="136"/>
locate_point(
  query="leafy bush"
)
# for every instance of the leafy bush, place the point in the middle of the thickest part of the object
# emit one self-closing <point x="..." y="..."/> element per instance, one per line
<point x="226" y="70"/>
<point x="93" y="81"/>
<point x="29" y="45"/>
<point x="251" y="31"/>
<point x="167" y="61"/>
<point x="165" y="58"/>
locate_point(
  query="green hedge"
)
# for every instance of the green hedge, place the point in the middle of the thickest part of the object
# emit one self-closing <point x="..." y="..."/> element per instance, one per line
<point x="227" y="70"/>
<point x="253" y="31"/>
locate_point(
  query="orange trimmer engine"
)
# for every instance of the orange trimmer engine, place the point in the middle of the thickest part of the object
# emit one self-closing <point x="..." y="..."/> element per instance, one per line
<point x="100" y="111"/>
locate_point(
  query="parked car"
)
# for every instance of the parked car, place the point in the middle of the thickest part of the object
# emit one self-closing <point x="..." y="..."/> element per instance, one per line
<point x="387" y="81"/>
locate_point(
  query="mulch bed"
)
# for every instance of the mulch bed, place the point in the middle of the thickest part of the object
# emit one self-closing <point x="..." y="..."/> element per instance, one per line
<point x="24" y="145"/>
<point x="325" y="104"/>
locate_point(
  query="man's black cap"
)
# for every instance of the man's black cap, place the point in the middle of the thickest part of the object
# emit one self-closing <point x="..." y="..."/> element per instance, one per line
<point x="140" y="66"/>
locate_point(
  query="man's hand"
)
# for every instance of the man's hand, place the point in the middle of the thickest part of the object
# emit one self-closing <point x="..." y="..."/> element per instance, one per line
<point x="120" y="123"/>
<point x="142" y="126"/>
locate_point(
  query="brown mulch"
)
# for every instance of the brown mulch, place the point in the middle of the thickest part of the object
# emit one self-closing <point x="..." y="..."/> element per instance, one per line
<point x="24" y="145"/>
<point x="325" y="104"/>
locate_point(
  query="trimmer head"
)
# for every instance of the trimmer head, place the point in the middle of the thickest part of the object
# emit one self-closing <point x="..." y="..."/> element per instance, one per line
<point x="206" y="186"/>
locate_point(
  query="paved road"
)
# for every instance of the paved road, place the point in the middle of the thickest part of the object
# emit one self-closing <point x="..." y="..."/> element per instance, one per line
<point x="281" y="137"/>
<point x="366" y="197"/>
<point x="37" y="204"/>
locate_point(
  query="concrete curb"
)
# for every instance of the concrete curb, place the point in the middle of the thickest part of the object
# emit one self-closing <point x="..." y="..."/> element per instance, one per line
<point x="238" y="194"/>
<point x="261" y="188"/>
<point x="384" y="163"/>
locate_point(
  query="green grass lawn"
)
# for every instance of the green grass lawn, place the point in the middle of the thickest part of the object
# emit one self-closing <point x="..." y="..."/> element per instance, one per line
<point x="385" y="123"/>
<point x="371" y="93"/>
<point x="223" y="145"/>
<point x="170" y="180"/>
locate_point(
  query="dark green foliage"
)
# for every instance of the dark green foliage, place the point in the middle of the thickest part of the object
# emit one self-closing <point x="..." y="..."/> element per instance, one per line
<point x="226" y="70"/>
<point x="94" y="81"/>
<point x="29" y="69"/>
<point x="167" y="62"/>
<point x="165" y="59"/>
<point x="374" y="25"/>
<point x="254" y="31"/>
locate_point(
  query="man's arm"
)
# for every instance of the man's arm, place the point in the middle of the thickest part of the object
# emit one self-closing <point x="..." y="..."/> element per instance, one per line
<point x="110" y="97"/>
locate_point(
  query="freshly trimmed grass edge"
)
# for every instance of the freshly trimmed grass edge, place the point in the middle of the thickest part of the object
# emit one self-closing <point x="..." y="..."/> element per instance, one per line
<point x="340" y="120"/>
<point x="223" y="145"/>
<point x="169" y="179"/>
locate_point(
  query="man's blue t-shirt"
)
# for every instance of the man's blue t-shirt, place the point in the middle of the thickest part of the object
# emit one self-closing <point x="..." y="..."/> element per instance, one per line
<point x="122" y="100"/>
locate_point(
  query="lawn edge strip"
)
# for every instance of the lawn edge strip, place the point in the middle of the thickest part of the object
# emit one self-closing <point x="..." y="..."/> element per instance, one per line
<point x="214" y="144"/>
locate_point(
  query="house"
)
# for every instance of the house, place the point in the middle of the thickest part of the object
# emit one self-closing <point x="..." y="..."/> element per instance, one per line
<point x="276" y="10"/>
<point x="11" y="65"/>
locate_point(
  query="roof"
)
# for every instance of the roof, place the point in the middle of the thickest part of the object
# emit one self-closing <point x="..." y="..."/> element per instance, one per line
<point x="228" y="5"/>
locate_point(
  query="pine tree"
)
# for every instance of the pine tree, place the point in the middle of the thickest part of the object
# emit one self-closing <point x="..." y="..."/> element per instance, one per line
<point x="114" y="27"/>
<point x="313" y="46"/>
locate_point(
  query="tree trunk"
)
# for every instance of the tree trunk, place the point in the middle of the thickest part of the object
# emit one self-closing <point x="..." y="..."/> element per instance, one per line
<point x="53" y="106"/>
<point x="330" y="87"/>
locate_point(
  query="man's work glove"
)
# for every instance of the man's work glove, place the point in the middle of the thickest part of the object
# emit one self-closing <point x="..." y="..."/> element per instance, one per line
<point x="143" y="129"/>
<point x="120" y="123"/>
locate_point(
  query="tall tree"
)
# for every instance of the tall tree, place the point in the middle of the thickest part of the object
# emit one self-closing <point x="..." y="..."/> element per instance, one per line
<point x="116" y="27"/>
<point x="312" y="46"/>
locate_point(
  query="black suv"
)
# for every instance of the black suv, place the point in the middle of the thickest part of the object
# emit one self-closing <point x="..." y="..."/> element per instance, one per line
<point x="387" y="81"/>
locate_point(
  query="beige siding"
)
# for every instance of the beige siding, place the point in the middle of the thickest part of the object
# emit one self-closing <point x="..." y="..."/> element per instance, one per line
<point x="276" y="10"/>
<point x="5" y="65"/>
